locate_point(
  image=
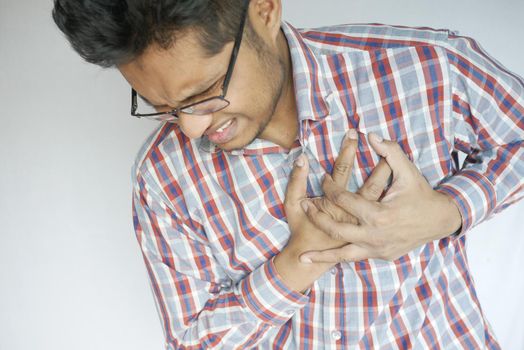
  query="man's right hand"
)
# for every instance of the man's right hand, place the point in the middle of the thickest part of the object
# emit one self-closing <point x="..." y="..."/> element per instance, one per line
<point x="305" y="235"/>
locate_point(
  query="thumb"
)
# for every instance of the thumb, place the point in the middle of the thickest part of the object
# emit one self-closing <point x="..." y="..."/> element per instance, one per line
<point x="392" y="153"/>
<point x="347" y="253"/>
<point x="297" y="185"/>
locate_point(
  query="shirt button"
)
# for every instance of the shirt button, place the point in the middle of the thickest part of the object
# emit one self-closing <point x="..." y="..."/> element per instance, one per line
<point x="334" y="271"/>
<point x="226" y="284"/>
<point x="336" y="335"/>
<point x="290" y="312"/>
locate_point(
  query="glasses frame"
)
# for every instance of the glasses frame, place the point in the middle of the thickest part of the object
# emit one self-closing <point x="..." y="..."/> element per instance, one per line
<point x="174" y="113"/>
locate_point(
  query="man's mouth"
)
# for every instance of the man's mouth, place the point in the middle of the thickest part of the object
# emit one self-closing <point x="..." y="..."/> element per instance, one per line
<point x="224" y="133"/>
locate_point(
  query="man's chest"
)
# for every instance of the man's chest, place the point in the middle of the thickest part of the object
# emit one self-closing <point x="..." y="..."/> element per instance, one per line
<point x="239" y="199"/>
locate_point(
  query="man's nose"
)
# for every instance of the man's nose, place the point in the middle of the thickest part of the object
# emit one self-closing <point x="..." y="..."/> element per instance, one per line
<point x="194" y="126"/>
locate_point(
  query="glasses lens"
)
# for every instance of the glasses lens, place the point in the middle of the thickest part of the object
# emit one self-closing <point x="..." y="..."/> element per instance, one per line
<point x="145" y="108"/>
<point x="164" y="118"/>
<point x="206" y="107"/>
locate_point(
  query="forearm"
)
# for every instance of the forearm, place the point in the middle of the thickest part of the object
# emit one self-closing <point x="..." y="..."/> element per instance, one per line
<point x="199" y="304"/>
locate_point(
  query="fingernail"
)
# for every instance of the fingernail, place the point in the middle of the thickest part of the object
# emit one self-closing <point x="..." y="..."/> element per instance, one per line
<point x="352" y="134"/>
<point x="378" y="138"/>
<point x="304" y="204"/>
<point x="299" y="162"/>
<point x="305" y="260"/>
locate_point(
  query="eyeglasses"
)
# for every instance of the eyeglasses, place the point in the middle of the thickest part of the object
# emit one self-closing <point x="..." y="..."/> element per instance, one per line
<point x="208" y="105"/>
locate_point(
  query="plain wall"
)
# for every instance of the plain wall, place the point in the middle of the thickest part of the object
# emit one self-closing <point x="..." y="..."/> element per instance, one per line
<point x="71" y="272"/>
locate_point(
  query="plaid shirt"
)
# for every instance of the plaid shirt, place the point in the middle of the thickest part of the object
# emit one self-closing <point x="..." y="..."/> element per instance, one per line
<point x="209" y="222"/>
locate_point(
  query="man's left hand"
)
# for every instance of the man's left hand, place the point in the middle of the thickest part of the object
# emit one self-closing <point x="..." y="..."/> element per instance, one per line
<point x="410" y="214"/>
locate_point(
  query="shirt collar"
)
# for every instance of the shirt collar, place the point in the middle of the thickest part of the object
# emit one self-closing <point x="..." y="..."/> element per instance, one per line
<point x="310" y="87"/>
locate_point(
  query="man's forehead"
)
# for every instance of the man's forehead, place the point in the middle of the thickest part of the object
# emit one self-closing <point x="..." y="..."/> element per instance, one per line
<point x="185" y="50"/>
<point x="176" y="73"/>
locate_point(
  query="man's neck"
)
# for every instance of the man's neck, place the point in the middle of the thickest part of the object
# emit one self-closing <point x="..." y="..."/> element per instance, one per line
<point x="284" y="125"/>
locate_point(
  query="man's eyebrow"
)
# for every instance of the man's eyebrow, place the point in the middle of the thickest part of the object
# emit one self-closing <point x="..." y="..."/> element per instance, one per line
<point x="201" y="89"/>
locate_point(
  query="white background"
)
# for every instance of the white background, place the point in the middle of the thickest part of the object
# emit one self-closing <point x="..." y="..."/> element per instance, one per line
<point x="71" y="272"/>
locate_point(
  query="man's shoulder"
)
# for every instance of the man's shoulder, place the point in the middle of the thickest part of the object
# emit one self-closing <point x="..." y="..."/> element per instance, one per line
<point x="373" y="36"/>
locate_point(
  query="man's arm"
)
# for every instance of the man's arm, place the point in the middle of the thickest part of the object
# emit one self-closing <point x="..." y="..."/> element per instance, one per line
<point x="198" y="305"/>
<point x="488" y="125"/>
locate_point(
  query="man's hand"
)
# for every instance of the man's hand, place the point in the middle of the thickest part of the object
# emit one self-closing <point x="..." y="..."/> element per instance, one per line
<point x="304" y="233"/>
<point x="410" y="214"/>
<point x="305" y="236"/>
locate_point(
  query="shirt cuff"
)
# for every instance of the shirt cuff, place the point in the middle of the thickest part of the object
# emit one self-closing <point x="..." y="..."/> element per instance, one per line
<point x="266" y="295"/>
<point x="473" y="194"/>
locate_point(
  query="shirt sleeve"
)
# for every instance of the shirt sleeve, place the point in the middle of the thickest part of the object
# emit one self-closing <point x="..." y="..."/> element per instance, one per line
<point x="488" y="125"/>
<point x="198" y="307"/>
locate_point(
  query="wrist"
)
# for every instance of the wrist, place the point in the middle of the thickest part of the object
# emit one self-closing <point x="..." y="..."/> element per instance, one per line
<point x="295" y="274"/>
<point x="451" y="220"/>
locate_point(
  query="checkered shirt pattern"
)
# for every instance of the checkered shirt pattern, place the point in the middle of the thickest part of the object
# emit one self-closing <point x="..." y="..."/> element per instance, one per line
<point x="210" y="222"/>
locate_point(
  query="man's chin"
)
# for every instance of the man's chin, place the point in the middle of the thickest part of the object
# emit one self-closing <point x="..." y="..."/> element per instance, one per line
<point x="232" y="146"/>
<point x="235" y="144"/>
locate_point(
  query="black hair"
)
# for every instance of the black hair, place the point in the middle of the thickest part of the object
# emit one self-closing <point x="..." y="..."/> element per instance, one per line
<point x="113" y="32"/>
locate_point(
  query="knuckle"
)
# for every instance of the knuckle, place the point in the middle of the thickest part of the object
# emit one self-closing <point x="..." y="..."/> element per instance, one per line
<point x="338" y="197"/>
<point x="351" y="219"/>
<point x="378" y="242"/>
<point x="370" y="218"/>
<point x="322" y="205"/>
<point x="383" y="254"/>
<point x="335" y="235"/>
<point x="289" y="206"/>
<point x="372" y="190"/>
<point x="343" y="259"/>
<point x="324" y="185"/>
<point x="294" y="175"/>
<point x="334" y="212"/>
<point x="342" y="168"/>
<point x="389" y="255"/>
<point x="380" y="218"/>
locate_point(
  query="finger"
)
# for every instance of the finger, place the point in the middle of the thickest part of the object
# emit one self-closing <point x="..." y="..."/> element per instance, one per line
<point x="297" y="185"/>
<point x="353" y="203"/>
<point x="348" y="253"/>
<point x="345" y="232"/>
<point x="376" y="183"/>
<point x="393" y="153"/>
<point x="344" y="163"/>
<point x="335" y="212"/>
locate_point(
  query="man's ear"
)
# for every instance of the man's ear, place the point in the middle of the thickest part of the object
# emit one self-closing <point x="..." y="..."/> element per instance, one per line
<point x="265" y="17"/>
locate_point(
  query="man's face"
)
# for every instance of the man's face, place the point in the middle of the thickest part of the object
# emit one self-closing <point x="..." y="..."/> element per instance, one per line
<point x="185" y="74"/>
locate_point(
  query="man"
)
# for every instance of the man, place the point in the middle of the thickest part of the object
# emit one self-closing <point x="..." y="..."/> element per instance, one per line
<point x="259" y="206"/>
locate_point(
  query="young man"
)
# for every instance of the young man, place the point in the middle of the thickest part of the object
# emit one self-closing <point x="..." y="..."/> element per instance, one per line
<point x="254" y="226"/>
